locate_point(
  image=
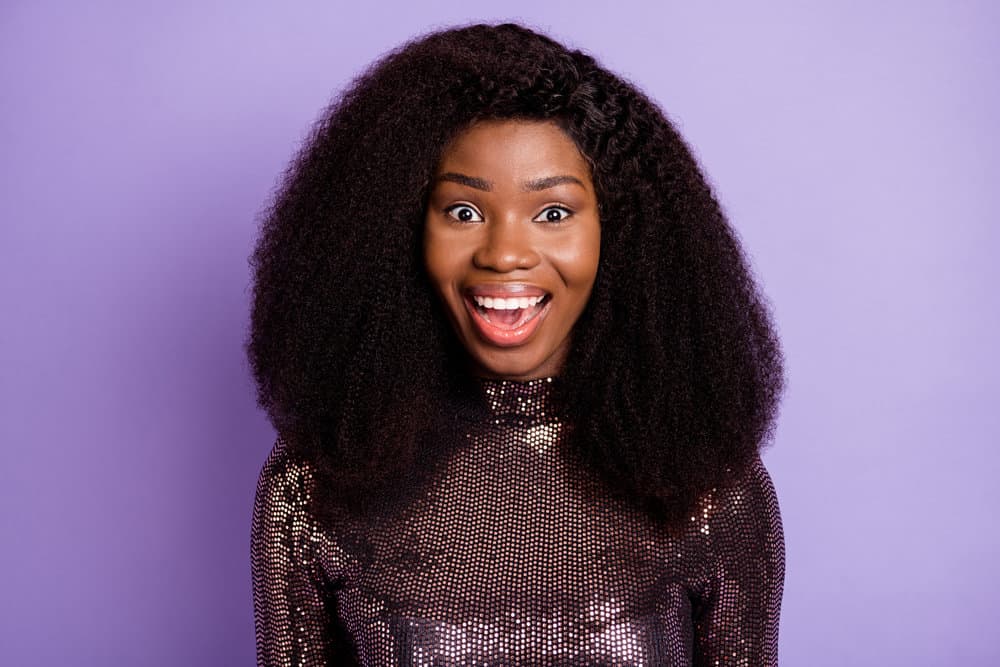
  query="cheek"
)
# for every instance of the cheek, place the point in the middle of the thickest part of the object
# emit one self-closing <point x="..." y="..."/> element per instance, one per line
<point x="578" y="261"/>
<point x="434" y="256"/>
<point x="441" y="263"/>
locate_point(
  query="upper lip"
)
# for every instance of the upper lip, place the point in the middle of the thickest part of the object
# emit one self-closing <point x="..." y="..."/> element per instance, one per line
<point x="503" y="290"/>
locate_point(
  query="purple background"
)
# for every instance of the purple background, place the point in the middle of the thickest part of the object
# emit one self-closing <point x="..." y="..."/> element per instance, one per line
<point x="854" y="146"/>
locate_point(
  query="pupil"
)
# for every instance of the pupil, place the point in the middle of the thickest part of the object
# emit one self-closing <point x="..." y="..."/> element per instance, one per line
<point x="464" y="214"/>
<point x="553" y="215"/>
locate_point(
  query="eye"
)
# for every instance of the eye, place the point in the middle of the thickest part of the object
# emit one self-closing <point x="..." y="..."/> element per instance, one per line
<point x="553" y="214"/>
<point x="463" y="213"/>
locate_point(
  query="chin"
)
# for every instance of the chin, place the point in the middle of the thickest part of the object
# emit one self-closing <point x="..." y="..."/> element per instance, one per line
<point x="514" y="366"/>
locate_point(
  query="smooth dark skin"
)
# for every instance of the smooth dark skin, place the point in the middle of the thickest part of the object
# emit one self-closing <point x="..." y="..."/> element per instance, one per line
<point x="490" y="220"/>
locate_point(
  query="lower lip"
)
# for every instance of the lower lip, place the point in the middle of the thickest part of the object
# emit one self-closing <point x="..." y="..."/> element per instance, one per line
<point x="505" y="337"/>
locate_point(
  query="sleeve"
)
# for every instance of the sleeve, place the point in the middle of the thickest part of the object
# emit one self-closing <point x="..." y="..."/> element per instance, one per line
<point x="736" y="620"/>
<point x="293" y="616"/>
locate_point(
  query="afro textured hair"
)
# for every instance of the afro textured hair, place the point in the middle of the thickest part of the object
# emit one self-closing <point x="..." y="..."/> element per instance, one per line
<point x="675" y="371"/>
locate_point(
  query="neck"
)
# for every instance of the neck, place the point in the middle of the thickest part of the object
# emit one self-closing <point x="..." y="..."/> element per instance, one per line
<point x="531" y="399"/>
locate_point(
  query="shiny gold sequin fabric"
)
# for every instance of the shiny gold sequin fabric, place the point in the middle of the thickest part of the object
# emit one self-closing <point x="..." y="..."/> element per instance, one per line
<point x="512" y="556"/>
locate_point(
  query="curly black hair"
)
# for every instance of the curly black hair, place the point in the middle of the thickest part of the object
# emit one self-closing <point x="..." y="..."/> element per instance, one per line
<point x="675" y="371"/>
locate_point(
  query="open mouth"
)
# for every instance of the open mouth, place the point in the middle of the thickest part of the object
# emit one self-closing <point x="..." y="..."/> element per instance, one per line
<point x="507" y="321"/>
<point x="511" y="312"/>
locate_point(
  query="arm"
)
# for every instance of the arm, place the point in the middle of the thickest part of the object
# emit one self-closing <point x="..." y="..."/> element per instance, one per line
<point x="292" y="616"/>
<point x="736" y="621"/>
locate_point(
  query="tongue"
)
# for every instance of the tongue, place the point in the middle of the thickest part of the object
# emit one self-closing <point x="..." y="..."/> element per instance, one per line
<point x="506" y="318"/>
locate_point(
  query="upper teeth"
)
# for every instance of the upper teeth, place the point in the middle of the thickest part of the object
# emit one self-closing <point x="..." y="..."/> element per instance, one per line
<point x="507" y="304"/>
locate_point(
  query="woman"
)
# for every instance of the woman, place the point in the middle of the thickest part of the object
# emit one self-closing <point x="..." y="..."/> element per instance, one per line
<point x="520" y="373"/>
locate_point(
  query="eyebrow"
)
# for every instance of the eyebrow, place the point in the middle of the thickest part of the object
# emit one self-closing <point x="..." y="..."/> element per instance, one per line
<point x="551" y="182"/>
<point x="529" y="186"/>
<point x="471" y="181"/>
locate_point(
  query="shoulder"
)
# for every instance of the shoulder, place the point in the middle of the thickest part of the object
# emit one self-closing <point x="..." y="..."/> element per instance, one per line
<point x="742" y="510"/>
<point x="285" y="470"/>
<point x="285" y="483"/>
<point x="287" y="532"/>
<point x="743" y="569"/>
<point x="748" y="490"/>
<point x="740" y="541"/>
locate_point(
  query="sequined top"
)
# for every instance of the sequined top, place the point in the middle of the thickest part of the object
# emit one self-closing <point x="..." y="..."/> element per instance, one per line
<point x="514" y="557"/>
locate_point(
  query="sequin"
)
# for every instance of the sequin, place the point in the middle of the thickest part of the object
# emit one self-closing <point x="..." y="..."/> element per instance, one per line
<point x="514" y="556"/>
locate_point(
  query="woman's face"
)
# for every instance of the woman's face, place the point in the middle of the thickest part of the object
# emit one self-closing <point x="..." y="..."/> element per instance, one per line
<point x="511" y="244"/>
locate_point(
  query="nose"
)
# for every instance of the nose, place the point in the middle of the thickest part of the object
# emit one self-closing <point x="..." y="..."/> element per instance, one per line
<point x="506" y="246"/>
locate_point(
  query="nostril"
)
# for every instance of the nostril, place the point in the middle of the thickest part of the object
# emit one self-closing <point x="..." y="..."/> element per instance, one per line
<point x="505" y="259"/>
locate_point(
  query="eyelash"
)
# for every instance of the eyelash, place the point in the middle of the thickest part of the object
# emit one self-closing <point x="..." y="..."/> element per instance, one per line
<point x="566" y="213"/>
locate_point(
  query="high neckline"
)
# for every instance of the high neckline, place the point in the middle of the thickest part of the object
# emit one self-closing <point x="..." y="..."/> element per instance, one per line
<point x="530" y="399"/>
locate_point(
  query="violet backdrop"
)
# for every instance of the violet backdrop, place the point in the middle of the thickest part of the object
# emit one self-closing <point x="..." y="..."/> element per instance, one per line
<point x="853" y="145"/>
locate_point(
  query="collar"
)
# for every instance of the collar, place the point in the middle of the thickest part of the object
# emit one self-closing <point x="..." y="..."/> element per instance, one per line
<point x="526" y="399"/>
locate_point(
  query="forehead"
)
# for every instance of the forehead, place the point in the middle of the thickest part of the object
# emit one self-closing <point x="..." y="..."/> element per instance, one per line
<point x="515" y="149"/>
